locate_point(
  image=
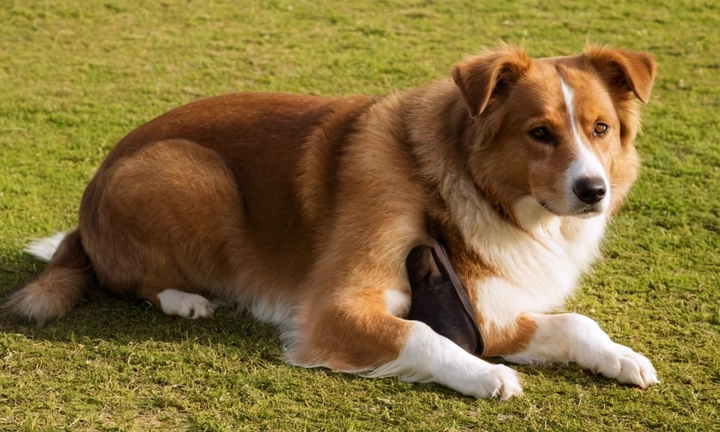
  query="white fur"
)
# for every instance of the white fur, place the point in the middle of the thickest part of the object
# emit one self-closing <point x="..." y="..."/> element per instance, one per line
<point x="576" y="338"/>
<point x="44" y="248"/>
<point x="397" y="303"/>
<point x="186" y="305"/>
<point x="540" y="261"/>
<point x="586" y="165"/>
<point x="278" y="311"/>
<point x="429" y="357"/>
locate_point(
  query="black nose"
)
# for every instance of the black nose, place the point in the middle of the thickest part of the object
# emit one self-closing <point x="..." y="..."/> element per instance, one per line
<point x="590" y="189"/>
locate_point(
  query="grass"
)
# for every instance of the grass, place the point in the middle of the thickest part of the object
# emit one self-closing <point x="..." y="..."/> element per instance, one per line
<point x="75" y="76"/>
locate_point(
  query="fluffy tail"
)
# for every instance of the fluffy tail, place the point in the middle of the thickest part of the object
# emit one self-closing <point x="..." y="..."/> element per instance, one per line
<point x="61" y="286"/>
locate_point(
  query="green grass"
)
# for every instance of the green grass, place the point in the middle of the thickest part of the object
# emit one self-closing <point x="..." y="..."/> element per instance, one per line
<point x="76" y="75"/>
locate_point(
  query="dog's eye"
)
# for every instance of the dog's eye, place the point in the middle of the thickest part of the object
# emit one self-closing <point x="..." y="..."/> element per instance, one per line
<point x="600" y="129"/>
<point x="541" y="134"/>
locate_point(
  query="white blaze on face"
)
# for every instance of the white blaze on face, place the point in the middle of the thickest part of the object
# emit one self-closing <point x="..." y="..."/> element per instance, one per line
<point x="586" y="165"/>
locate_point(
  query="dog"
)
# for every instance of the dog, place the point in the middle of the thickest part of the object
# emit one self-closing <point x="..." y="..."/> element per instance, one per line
<point x="303" y="210"/>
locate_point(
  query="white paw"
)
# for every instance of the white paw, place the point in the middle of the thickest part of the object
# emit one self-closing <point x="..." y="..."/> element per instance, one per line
<point x="186" y="305"/>
<point x="497" y="381"/>
<point x="626" y="366"/>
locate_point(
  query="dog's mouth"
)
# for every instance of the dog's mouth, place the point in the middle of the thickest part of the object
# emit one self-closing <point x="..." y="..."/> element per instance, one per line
<point x="586" y="211"/>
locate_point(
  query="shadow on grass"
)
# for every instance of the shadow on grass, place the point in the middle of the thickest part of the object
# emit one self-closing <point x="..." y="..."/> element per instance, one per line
<point x="103" y="316"/>
<point x="108" y="317"/>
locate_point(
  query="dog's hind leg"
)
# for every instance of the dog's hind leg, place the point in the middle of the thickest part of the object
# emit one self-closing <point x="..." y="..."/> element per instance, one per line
<point x="175" y="302"/>
<point x="164" y="225"/>
<point x="186" y="305"/>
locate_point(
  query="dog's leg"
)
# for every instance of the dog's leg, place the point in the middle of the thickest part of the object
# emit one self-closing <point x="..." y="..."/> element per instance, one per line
<point x="576" y="338"/>
<point x="180" y="303"/>
<point x="429" y="357"/>
<point x="369" y="340"/>
<point x="186" y="305"/>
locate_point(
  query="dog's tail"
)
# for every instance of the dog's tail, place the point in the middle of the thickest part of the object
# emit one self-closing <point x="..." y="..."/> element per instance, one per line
<point x="61" y="286"/>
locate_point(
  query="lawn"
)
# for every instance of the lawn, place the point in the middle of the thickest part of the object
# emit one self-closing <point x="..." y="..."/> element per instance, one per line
<point x="76" y="75"/>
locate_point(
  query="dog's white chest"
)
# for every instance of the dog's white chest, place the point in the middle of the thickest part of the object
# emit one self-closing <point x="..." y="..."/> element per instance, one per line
<point x="539" y="264"/>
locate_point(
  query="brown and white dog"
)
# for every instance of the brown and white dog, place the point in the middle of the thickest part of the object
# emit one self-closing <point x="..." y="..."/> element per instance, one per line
<point x="303" y="210"/>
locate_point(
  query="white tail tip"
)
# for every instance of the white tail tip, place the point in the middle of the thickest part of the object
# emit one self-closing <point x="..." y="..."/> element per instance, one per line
<point x="44" y="248"/>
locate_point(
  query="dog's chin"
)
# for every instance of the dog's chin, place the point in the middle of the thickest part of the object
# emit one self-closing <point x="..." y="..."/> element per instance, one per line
<point x="582" y="211"/>
<point x="588" y="212"/>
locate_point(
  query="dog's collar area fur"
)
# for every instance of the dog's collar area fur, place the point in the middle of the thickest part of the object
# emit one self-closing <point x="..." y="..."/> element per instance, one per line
<point x="439" y="299"/>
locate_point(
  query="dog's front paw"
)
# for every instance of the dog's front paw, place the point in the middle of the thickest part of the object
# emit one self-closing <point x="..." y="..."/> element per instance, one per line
<point x="626" y="366"/>
<point x="497" y="381"/>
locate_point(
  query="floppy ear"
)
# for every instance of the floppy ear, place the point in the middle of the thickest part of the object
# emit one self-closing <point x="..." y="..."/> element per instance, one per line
<point x="479" y="77"/>
<point x="622" y="69"/>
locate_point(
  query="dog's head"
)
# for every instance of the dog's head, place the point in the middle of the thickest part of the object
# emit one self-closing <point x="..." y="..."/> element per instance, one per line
<point x="559" y="130"/>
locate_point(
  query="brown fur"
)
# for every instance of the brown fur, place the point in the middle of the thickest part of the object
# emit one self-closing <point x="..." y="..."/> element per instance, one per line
<point x="315" y="203"/>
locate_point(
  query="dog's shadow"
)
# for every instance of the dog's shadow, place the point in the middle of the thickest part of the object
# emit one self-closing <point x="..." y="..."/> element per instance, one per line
<point x="106" y="318"/>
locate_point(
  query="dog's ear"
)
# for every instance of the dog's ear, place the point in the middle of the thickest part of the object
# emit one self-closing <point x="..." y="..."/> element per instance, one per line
<point x="482" y="76"/>
<point x="629" y="71"/>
